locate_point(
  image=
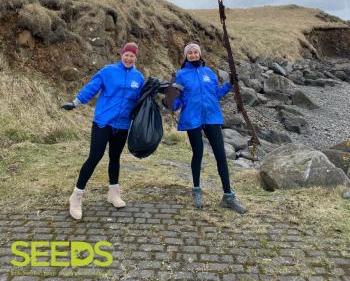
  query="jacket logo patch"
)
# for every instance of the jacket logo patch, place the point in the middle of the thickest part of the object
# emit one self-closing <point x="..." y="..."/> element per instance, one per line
<point x="134" y="85"/>
<point x="206" y="78"/>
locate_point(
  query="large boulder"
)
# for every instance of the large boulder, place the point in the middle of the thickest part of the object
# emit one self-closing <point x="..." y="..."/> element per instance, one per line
<point x="301" y="100"/>
<point x="273" y="136"/>
<point x="339" y="155"/>
<point x="297" y="77"/>
<point x="254" y="84"/>
<point x="234" y="122"/>
<point x="249" y="96"/>
<point x="230" y="151"/>
<point x="339" y="158"/>
<point x="235" y="139"/>
<point x="296" y="166"/>
<point x="278" y="87"/>
<point x="293" y="123"/>
<point x="342" y="71"/>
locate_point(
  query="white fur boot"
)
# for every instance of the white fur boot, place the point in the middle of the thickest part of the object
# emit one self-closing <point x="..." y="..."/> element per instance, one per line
<point x="113" y="196"/>
<point x="75" y="202"/>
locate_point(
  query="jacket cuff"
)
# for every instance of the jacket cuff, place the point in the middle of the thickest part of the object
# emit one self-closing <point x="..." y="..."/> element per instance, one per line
<point x="178" y="86"/>
<point x="77" y="102"/>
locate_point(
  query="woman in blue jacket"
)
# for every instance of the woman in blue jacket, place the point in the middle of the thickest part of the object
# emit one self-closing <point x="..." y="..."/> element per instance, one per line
<point x="119" y="86"/>
<point x="200" y="111"/>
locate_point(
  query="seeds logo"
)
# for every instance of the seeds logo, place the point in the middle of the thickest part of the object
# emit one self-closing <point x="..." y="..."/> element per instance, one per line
<point x="79" y="253"/>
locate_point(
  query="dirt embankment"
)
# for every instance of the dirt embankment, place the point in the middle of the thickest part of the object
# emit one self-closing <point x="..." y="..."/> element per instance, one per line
<point x="331" y="42"/>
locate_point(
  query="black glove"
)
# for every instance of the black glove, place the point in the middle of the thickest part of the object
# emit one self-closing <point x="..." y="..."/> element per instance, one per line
<point x="68" y="106"/>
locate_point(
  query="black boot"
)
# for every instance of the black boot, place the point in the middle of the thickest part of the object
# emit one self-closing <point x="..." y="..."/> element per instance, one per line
<point x="230" y="201"/>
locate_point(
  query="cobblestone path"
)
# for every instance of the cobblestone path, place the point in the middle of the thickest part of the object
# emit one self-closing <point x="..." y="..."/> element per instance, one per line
<point x="159" y="241"/>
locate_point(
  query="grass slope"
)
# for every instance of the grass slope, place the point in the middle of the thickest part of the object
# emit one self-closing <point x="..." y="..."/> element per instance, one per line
<point x="269" y="31"/>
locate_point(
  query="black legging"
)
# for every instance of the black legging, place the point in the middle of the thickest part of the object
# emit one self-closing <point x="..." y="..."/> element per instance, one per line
<point x="99" y="139"/>
<point x="214" y="135"/>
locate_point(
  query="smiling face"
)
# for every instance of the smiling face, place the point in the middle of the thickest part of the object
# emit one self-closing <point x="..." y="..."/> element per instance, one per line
<point x="193" y="55"/>
<point x="128" y="59"/>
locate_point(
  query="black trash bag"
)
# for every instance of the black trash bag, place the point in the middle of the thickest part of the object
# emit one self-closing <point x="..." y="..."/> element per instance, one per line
<point x="146" y="129"/>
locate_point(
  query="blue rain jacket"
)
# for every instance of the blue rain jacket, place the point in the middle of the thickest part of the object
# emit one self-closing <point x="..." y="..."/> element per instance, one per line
<point x="119" y="89"/>
<point x="199" y="100"/>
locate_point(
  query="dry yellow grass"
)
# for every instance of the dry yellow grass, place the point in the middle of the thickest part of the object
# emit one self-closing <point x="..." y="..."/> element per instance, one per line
<point x="267" y="31"/>
<point x="30" y="110"/>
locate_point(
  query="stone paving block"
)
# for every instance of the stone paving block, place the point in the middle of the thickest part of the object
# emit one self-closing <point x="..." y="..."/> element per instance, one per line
<point x="291" y="278"/>
<point x="5" y="251"/>
<point x="143" y="215"/>
<point x="165" y="276"/>
<point x="168" y="221"/>
<point x="42" y="230"/>
<point x="194" y="249"/>
<point x="25" y="278"/>
<point x="96" y="238"/>
<point x="316" y="278"/>
<point x="141" y="255"/>
<point x="90" y="218"/>
<point x="208" y="276"/>
<point x="168" y="211"/>
<point x="149" y="264"/>
<point x="187" y="257"/>
<point x="140" y="220"/>
<point x="62" y="230"/>
<point x="189" y="234"/>
<point x="173" y="241"/>
<point x="43" y="236"/>
<point x="162" y="216"/>
<point x="147" y="205"/>
<point x="206" y="257"/>
<point x="340" y="261"/>
<point x="125" y="220"/>
<point x="173" y="206"/>
<point x="140" y="274"/>
<point x="151" y="247"/>
<point x="172" y="249"/>
<point x="153" y="221"/>
<point x="226" y="258"/>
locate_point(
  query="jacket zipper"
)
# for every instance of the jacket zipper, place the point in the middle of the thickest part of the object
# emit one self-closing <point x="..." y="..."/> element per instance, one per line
<point x="201" y="91"/>
<point x="123" y="95"/>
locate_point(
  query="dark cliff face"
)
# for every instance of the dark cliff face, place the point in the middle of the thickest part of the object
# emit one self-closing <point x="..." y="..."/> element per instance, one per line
<point x="331" y="42"/>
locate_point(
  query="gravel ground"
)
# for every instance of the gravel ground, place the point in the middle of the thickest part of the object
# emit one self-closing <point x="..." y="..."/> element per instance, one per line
<point x="330" y="124"/>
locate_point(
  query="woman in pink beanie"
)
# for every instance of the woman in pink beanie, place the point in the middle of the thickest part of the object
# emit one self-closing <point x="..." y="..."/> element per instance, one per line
<point x="119" y="87"/>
